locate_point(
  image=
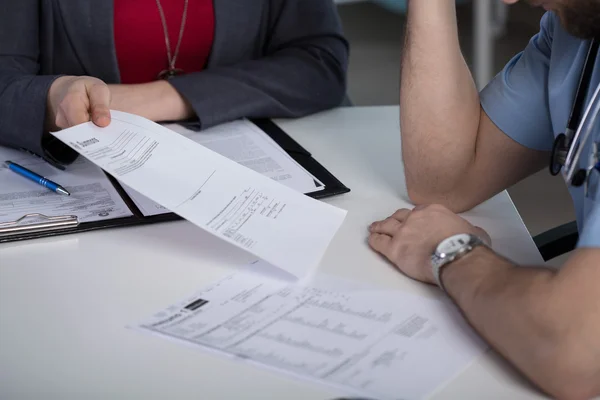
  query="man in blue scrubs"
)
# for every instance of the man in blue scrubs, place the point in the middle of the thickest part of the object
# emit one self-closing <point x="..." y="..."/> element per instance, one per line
<point x="461" y="147"/>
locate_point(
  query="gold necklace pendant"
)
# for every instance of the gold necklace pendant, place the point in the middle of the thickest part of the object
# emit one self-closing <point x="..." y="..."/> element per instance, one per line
<point x="169" y="73"/>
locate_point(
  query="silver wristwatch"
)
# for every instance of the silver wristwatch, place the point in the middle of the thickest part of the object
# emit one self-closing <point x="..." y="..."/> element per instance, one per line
<point x="451" y="249"/>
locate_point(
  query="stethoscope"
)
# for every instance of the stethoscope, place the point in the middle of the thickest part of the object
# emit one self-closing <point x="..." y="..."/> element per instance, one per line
<point x="568" y="146"/>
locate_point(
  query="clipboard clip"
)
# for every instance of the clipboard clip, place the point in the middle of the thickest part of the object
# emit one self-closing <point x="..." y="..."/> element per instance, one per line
<point x="39" y="223"/>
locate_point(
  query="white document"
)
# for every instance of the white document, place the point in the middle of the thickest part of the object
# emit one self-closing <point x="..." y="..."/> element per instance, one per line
<point x="274" y="222"/>
<point x="387" y="345"/>
<point x="243" y="142"/>
<point x="147" y="207"/>
<point x="93" y="197"/>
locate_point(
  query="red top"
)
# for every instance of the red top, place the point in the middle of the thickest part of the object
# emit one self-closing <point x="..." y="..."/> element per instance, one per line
<point x="140" y="40"/>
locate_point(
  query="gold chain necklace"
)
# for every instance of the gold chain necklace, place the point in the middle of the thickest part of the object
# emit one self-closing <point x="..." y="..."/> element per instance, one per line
<point x="171" y="71"/>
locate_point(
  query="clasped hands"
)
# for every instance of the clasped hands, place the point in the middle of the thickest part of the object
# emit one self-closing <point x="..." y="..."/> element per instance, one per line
<point x="408" y="238"/>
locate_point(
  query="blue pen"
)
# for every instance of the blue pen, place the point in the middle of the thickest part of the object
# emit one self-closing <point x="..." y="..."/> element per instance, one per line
<point x="36" y="178"/>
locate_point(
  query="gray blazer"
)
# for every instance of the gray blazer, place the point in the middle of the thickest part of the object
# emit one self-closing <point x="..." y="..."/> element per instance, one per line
<point x="270" y="58"/>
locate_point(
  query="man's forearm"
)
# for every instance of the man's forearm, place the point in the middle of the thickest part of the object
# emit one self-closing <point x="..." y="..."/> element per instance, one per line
<point x="157" y="101"/>
<point x="521" y="312"/>
<point x="439" y="103"/>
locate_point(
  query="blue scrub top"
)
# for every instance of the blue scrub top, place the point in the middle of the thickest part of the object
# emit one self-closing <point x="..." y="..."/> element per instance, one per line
<point x="530" y="100"/>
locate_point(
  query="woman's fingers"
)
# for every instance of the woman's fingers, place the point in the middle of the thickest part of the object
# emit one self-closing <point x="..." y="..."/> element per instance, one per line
<point x="76" y="100"/>
<point x="99" y="96"/>
<point x="73" y="109"/>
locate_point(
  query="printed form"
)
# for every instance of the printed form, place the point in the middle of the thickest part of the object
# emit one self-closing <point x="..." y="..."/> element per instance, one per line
<point x="243" y="142"/>
<point x="287" y="229"/>
<point x="387" y="345"/>
<point x="93" y="197"/>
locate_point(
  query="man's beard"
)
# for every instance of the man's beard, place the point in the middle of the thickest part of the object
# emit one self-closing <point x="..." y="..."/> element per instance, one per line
<point x="581" y="18"/>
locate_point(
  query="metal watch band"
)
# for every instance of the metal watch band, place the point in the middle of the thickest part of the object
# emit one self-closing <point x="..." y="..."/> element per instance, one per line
<point x="439" y="263"/>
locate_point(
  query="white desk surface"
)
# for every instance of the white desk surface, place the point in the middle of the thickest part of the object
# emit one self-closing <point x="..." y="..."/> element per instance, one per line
<point x="65" y="301"/>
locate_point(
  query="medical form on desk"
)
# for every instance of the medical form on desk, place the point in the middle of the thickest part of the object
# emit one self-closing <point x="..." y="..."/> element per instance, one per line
<point x="379" y="344"/>
<point x="93" y="196"/>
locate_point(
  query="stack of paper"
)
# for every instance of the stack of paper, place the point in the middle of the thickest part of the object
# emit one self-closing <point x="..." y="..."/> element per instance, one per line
<point x="243" y="142"/>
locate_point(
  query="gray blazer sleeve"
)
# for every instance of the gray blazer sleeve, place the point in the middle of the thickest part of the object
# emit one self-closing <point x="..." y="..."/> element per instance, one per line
<point x="302" y="71"/>
<point x="23" y="93"/>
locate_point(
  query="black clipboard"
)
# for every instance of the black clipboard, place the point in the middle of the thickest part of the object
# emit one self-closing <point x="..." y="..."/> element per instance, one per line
<point x="333" y="186"/>
<point x="44" y="226"/>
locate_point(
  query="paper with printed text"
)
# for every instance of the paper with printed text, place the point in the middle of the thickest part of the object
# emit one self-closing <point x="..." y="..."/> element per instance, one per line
<point x="281" y="226"/>
<point x="379" y="344"/>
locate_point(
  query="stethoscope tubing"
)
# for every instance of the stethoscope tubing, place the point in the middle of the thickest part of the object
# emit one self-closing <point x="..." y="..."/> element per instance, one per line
<point x="577" y="145"/>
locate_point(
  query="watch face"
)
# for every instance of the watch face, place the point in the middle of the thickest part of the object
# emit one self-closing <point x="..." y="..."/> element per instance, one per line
<point x="453" y="244"/>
